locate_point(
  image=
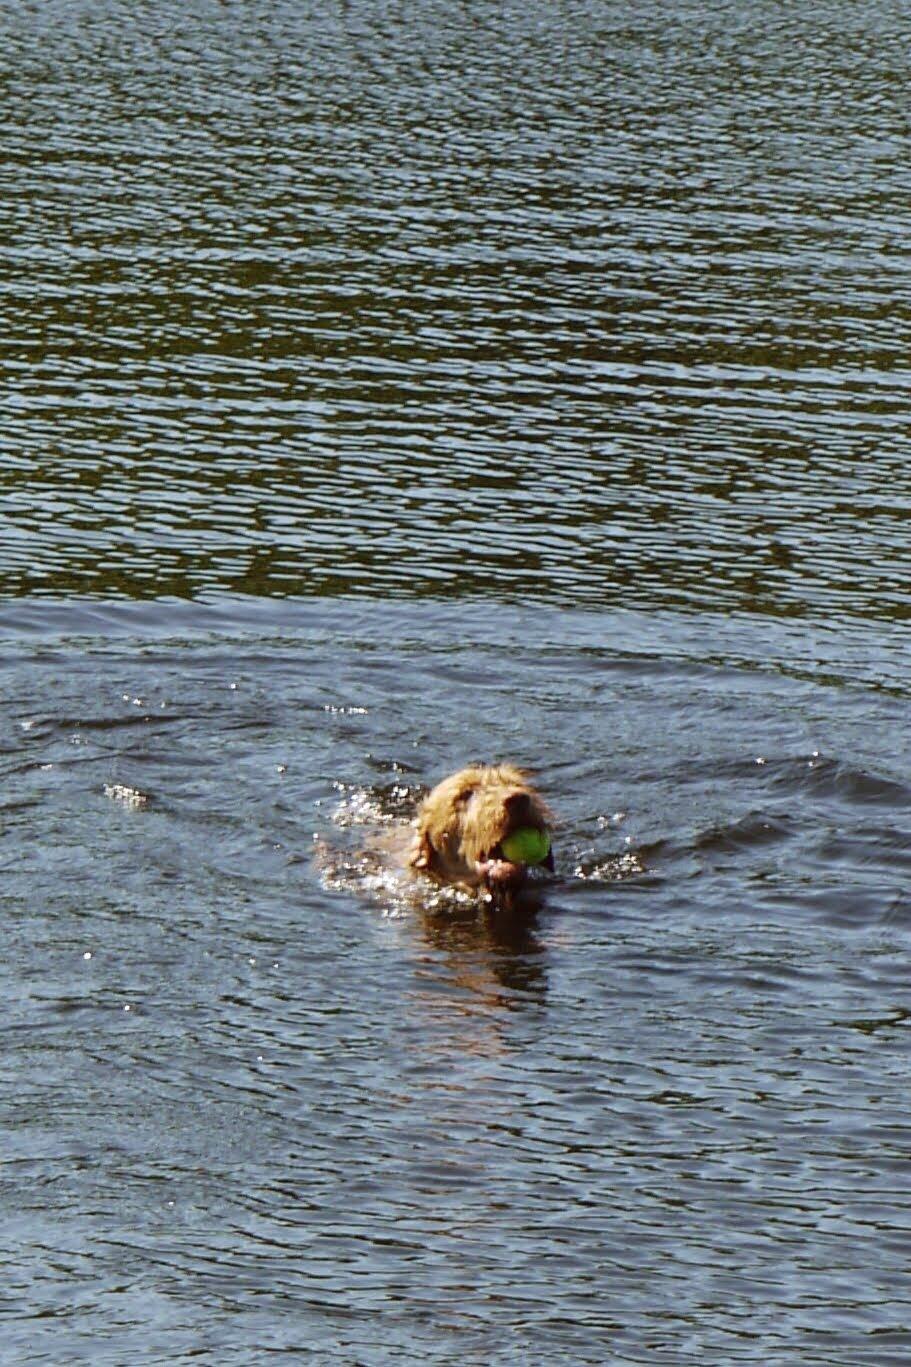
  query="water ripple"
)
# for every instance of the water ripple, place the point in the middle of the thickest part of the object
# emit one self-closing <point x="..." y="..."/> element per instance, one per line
<point x="565" y="305"/>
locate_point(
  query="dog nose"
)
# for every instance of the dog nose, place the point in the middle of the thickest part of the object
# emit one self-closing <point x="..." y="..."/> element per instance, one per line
<point x="520" y="808"/>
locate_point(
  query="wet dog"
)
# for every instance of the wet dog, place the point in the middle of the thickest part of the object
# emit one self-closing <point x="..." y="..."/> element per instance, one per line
<point x="462" y="823"/>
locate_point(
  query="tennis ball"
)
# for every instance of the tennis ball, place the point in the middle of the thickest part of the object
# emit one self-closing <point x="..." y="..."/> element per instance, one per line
<point x="526" y="846"/>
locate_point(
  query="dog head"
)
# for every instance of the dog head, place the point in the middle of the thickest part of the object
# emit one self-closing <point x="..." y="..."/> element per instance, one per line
<point x="462" y="823"/>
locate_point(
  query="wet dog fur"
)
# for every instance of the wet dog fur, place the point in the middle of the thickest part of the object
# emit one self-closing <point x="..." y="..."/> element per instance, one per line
<point x="463" y="821"/>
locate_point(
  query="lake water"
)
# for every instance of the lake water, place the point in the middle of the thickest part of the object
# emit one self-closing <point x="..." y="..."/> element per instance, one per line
<point x="387" y="387"/>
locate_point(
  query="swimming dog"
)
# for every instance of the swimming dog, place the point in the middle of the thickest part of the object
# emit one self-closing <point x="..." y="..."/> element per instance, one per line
<point x="464" y="820"/>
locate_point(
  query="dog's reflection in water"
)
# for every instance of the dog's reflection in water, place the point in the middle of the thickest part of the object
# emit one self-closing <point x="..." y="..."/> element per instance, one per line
<point x="495" y="951"/>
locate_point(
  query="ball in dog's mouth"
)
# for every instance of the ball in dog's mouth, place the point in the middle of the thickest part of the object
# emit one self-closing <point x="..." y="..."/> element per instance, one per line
<point x="526" y="845"/>
<point x="506" y="865"/>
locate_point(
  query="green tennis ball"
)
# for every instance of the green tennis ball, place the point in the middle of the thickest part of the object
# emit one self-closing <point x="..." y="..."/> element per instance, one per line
<point x="526" y="846"/>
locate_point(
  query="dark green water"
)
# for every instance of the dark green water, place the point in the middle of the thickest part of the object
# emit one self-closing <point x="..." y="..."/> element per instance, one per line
<point x="591" y="303"/>
<point x="384" y="387"/>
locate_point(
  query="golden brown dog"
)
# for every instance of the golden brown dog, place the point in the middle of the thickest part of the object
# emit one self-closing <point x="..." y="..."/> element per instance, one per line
<point x="462" y="823"/>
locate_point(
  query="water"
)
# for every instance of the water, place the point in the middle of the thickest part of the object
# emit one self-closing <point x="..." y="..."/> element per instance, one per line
<point x="386" y="388"/>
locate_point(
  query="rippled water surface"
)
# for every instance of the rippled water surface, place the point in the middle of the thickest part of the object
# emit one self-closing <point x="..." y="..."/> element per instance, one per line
<point x="387" y="387"/>
<point x="603" y="301"/>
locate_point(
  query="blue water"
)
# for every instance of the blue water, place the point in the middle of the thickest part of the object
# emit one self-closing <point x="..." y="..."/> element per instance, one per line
<point x="250" y="1108"/>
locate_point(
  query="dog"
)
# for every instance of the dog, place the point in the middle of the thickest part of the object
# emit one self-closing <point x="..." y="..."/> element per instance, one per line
<point x="463" y="821"/>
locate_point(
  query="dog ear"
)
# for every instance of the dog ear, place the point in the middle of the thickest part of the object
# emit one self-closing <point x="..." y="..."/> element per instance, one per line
<point x="421" y="853"/>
